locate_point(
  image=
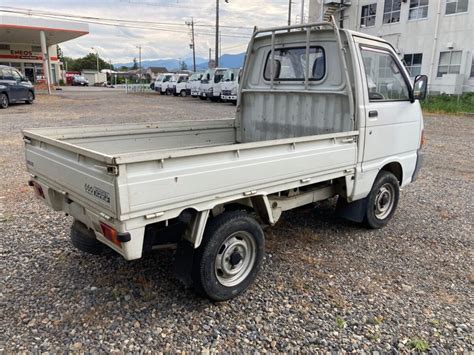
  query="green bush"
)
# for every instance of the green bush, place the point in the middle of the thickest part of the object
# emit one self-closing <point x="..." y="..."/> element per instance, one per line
<point x="449" y="103"/>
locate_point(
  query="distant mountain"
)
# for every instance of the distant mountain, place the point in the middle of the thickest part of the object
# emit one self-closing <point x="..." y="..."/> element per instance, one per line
<point x="227" y="61"/>
<point x="169" y="64"/>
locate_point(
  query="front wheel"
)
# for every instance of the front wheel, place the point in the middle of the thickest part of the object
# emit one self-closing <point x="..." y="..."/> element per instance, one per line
<point x="183" y="93"/>
<point x="382" y="200"/>
<point x="229" y="258"/>
<point x="30" y="98"/>
<point x="4" y="101"/>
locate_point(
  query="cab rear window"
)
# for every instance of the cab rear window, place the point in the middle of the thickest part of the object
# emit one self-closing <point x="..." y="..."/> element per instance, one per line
<point x="290" y="64"/>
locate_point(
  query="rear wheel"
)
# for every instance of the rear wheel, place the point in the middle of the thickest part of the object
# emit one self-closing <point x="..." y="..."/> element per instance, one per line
<point x="30" y="98"/>
<point x="84" y="239"/>
<point x="4" y="101"/>
<point x="183" y="93"/>
<point x="229" y="258"/>
<point x="382" y="200"/>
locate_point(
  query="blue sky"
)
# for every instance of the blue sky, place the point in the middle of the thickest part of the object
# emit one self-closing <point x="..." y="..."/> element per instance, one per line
<point x="119" y="44"/>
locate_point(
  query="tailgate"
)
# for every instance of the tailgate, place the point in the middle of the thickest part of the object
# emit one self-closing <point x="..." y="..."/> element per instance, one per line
<point x="79" y="174"/>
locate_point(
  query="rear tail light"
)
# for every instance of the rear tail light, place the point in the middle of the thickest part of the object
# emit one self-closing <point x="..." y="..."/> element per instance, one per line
<point x="111" y="234"/>
<point x="423" y="139"/>
<point x="114" y="236"/>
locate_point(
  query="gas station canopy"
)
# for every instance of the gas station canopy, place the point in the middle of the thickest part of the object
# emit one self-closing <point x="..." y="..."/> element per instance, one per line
<point x="19" y="29"/>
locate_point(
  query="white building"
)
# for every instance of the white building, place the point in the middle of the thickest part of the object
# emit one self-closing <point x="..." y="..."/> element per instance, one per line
<point x="434" y="37"/>
<point x="30" y="45"/>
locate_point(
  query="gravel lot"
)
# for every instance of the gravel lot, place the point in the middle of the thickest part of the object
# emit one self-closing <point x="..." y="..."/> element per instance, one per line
<point x="326" y="284"/>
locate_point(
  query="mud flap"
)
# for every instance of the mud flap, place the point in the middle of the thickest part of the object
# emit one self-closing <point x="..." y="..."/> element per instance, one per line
<point x="353" y="211"/>
<point x="183" y="263"/>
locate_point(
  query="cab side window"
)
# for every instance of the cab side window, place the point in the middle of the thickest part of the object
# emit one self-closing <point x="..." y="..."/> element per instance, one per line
<point x="385" y="80"/>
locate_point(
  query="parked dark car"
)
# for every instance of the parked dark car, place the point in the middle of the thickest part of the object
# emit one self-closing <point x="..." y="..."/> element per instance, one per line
<point x="14" y="87"/>
<point x="80" y="81"/>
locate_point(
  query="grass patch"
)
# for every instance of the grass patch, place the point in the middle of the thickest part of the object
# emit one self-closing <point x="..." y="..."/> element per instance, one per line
<point x="449" y="103"/>
<point x="418" y="345"/>
<point x="341" y="323"/>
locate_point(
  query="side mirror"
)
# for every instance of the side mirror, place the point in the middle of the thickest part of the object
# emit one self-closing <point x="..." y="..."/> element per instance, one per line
<point x="232" y="77"/>
<point x="420" y="87"/>
<point x="208" y="76"/>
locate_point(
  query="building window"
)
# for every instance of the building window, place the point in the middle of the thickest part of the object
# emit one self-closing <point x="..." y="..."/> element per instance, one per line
<point x="456" y="6"/>
<point x="4" y="47"/>
<point x="36" y="49"/>
<point x="418" y="9"/>
<point x="413" y="63"/>
<point x="367" y="16"/>
<point x="391" y="11"/>
<point x="449" y="63"/>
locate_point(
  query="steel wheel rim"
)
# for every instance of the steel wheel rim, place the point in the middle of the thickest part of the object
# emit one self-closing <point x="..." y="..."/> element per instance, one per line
<point x="384" y="201"/>
<point x="30" y="96"/>
<point x="235" y="258"/>
<point x="4" y="101"/>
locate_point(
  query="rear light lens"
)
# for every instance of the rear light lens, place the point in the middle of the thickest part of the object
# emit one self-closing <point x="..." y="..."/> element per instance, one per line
<point x="110" y="233"/>
<point x="423" y="139"/>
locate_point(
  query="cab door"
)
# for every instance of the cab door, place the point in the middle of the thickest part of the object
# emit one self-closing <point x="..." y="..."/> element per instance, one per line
<point x="392" y="119"/>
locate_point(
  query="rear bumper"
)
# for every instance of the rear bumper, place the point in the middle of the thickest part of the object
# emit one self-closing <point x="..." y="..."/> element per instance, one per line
<point x="131" y="242"/>
<point x="420" y="158"/>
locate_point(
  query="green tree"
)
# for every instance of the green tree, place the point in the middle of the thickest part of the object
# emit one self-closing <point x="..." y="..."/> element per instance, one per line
<point x="135" y="64"/>
<point x="183" y="66"/>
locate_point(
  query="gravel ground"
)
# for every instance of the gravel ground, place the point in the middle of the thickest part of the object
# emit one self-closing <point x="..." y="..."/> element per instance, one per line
<point x="326" y="284"/>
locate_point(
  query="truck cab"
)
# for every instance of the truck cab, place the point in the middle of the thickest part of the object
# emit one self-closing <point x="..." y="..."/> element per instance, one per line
<point x="194" y="82"/>
<point x="215" y="88"/>
<point x="323" y="112"/>
<point x="179" y="85"/>
<point x="230" y="86"/>
<point x="206" y="82"/>
<point x="162" y="83"/>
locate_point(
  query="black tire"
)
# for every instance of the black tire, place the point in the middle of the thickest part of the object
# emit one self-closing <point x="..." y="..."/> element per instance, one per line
<point x="84" y="239"/>
<point x="222" y="237"/>
<point x="4" y="102"/>
<point x="382" y="201"/>
<point x="31" y="98"/>
<point x="161" y="92"/>
<point x="203" y="98"/>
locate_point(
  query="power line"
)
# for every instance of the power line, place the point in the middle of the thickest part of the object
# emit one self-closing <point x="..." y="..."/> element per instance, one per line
<point x="117" y="23"/>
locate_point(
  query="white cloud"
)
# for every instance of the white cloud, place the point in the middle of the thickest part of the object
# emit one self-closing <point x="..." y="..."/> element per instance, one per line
<point x="119" y="43"/>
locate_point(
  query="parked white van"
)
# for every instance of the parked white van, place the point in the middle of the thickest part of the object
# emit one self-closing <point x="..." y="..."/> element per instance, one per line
<point x="162" y="83"/>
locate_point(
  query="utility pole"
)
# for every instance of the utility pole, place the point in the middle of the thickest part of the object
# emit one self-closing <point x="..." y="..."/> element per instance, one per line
<point x="97" y="57"/>
<point x="217" y="33"/>
<point x="140" y="62"/>
<point x="193" y="45"/>
<point x="289" y="12"/>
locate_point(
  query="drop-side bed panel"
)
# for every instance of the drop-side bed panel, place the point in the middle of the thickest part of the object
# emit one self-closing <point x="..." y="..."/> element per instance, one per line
<point x="188" y="178"/>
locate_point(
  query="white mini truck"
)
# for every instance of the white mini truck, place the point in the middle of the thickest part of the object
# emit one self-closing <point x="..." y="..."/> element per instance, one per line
<point x="322" y="112"/>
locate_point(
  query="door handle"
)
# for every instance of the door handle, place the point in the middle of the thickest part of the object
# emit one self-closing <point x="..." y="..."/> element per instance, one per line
<point x="373" y="114"/>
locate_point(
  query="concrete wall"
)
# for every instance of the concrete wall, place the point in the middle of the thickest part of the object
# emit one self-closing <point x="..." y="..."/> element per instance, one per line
<point x="455" y="32"/>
